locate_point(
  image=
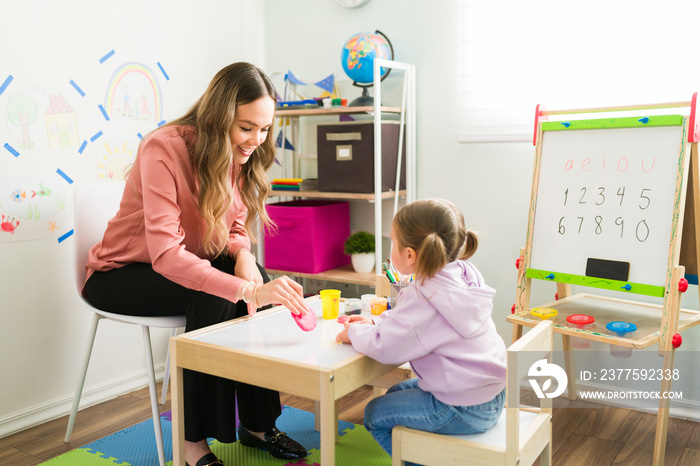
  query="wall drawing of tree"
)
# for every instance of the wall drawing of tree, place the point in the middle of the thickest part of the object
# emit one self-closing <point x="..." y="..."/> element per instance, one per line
<point x="22" y="112"/>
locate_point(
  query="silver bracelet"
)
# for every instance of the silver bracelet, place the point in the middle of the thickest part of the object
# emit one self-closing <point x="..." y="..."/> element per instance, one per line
<point x="244" y="290"/>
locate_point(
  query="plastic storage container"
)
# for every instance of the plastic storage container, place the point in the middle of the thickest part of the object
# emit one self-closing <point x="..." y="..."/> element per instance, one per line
<point x="622" y="330"/>
<point x="346" y="157"/>
<point x="310" y="236"/>
<point x="543" y="313"/>
<point x="581" y="321"/>
<point x="352" y="306"/>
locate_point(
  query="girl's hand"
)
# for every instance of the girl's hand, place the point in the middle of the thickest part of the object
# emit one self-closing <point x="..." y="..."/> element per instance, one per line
<point x="282" y="290"/>
<point x="343" y="337"/>
<point x="359" y="319"/>
<point x="354" y="319"/>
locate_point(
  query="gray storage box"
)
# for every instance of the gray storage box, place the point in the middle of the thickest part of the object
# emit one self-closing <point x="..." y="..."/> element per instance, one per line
<point x="346" y="157"/>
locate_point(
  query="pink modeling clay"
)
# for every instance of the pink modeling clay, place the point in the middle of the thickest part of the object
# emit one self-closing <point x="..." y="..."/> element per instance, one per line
<point x="306" y="322"/>
<point x="342" y="319"/>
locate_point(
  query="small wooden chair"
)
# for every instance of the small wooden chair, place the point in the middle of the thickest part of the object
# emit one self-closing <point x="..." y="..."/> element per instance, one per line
<point x="521" y="435"/>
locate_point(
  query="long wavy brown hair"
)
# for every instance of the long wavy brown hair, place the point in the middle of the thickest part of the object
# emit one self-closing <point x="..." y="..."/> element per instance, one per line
<point x="212" y="116"/>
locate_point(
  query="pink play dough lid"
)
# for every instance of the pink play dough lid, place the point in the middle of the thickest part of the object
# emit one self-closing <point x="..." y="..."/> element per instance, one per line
<point x="306" y="322"/>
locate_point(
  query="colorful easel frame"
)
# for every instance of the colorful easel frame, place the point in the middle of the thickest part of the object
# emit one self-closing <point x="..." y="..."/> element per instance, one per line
<point x="683" y="257"/>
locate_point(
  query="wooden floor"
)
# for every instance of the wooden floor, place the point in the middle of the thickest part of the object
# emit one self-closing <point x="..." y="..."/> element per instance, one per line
<point x="582" y="436"/>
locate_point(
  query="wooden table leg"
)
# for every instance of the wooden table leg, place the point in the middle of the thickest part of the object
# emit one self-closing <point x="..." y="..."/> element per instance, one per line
<point x="329" y="419"/>
<point x="177" y="407"/>
<point x="317" y="417"/>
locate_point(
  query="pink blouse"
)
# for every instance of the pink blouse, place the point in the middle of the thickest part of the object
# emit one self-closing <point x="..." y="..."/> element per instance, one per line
<point x="159" y="222"/>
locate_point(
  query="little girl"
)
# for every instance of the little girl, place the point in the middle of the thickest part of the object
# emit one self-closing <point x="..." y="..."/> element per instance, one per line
<point x="442" y="324"/>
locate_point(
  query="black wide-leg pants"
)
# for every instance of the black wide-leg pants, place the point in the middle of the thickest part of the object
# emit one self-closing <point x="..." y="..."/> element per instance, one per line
<point x="210" y="408"/>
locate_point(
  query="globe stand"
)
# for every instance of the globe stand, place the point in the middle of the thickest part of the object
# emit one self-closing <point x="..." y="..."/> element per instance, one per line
<point x="365" y="100"/>
<point x="363" y="41"/>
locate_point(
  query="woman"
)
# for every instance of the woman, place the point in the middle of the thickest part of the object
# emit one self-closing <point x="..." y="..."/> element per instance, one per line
<point x="180" y="244"/>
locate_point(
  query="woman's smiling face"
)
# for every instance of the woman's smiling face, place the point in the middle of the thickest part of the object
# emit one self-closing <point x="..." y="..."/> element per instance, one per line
<point x="251" y="127"/>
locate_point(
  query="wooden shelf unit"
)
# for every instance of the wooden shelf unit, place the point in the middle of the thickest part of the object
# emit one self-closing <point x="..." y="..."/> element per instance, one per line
<point x="343" y="274"/>
<point x="406" y="115"/>
<point x="334" y="195"/>
<point x="330" y="111"/>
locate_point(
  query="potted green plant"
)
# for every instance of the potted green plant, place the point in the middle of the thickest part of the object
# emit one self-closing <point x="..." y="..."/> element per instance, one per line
<point x="360" y="247"/>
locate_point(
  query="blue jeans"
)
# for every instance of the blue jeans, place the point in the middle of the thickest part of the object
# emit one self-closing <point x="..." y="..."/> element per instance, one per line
<point x="405" y="404"/>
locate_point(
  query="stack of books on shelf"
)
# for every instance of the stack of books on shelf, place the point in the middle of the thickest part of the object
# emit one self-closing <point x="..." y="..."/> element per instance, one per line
<point x="295" y="184"/>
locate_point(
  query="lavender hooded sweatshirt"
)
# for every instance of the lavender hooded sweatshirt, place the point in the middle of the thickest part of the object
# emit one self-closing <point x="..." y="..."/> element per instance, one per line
<point x="444" y="328"/>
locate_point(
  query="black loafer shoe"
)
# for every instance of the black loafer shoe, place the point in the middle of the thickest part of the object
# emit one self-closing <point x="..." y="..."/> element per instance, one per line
<point x="276" y="442"/>
<point x="209" y="459"/>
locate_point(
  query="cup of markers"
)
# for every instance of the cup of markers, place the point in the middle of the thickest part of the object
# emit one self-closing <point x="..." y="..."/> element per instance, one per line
<point x="398" y="281"/>
<point x="394" y="296"/>
<point x="394" y="276"/>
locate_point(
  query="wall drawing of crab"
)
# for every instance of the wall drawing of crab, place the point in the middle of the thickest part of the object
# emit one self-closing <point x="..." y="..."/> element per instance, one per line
<point x="8" y="224"/>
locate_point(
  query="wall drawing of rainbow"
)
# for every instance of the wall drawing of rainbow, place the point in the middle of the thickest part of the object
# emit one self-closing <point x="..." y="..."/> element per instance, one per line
<point x="133" y="92"/>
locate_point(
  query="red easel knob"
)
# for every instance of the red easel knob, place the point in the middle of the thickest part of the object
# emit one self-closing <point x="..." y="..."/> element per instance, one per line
<point x="682" y="285"/>
<point x="517" y="263"/>
<point x="512" y="309"/>
<point x="677" y="340"/>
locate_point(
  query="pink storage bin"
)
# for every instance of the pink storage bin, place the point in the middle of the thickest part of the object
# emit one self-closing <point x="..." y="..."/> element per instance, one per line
<point x="310" y="236"/>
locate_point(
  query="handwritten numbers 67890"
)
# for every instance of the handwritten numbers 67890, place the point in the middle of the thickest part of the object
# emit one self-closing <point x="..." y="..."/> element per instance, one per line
<point x="597" y="224"/>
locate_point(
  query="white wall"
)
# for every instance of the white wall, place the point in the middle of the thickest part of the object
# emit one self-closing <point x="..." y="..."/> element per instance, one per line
<point x="44" y="43"/>
<point x="490" y="183"/>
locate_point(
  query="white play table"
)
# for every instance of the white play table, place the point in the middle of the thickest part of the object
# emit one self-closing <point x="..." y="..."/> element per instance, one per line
<point x="270" y="351"/>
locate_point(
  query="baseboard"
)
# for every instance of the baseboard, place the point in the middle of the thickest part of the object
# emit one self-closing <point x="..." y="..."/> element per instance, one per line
<point x="36" y="415"/>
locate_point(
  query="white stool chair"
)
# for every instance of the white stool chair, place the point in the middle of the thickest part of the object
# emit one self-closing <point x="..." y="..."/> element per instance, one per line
<point x="521" y="435"/>
<point x="94" y="205"/>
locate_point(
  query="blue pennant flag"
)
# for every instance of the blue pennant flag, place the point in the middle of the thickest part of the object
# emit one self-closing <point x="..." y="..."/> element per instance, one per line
<point x="293" y="79"/>
<point x="287" y="144"/>
<point x="326" y="84"/>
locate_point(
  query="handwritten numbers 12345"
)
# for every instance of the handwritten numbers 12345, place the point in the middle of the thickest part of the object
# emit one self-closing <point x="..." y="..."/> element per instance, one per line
<point x="612" y="225"/>
<point x="598" y="196"/>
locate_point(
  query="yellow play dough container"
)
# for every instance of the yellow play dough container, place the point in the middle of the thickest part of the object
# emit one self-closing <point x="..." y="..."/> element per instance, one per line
<point x="544" y="313"/>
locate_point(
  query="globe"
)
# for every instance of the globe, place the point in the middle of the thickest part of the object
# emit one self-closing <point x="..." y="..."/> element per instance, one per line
<point x="357" y="58"/>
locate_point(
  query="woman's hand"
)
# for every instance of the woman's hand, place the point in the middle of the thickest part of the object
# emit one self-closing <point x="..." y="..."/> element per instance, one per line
<point x="282" y="290"/>
<point x="247" y="269"/>
<point x="354" y="319"/>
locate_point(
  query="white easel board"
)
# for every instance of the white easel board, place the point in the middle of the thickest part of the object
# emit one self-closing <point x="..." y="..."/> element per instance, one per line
<point x="606" y="193"/>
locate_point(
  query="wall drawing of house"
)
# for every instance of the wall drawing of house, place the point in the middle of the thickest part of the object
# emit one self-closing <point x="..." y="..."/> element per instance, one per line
<point x="61" y="123"/>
